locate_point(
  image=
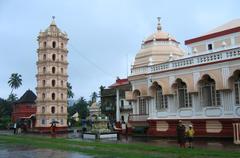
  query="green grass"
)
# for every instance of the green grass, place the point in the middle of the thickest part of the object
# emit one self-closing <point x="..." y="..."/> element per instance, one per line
<point x="116" y="150"/>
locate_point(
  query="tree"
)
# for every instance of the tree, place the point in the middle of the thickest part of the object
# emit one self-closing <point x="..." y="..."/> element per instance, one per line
<point x="12" y="97"/>
<point x="70" y="93"/>
<point x="15" y="81"/>
<point x="81" y="106"/>
<point x="5" y="108"/>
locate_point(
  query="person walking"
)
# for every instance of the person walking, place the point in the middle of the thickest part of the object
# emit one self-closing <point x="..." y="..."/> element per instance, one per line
<point x="181" y="137"/>
<point x="190" y="135"/>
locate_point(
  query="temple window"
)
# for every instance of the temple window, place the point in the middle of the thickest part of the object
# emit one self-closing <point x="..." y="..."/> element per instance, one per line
<point x="184" y="99"/>
<point x="210" y="47"/>
<point x="53" y="96"/>
<point x="43" y="122"/>
<point x="61" y="109"/>
<point x="53" y="109"/>
<point x="43" y="96"/>
<point x="61" y="82"/>
<point x="61" y="57"/>
<point x="44" y="44"/>
<point x="62" y="70"/>
<point x="161" y="100"/>
<point x="61" y="96"/>
<point x="44" y="70"/>
<point x="54" y="44"/>
<point x="43" y="83"/>
<point x="43" y="109"/>
<point x="44" y="57"/>
<point x="237" y="88"/>
<point x="53" y="83"/>
<point x="54" y="57"/>
<point x="53" y="70"/>
<point x="143" y="106"/>
<point x="209" y="96"/>
<point x="62" y="45"/>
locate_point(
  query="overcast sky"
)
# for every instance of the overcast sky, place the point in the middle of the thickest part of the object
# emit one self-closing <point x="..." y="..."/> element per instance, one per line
<point x="104" y="35"/>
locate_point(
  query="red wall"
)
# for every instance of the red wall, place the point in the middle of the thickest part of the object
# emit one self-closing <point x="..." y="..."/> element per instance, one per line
<point x="23" y="110"/>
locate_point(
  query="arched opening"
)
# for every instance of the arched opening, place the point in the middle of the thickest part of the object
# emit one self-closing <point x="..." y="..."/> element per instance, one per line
<point x="61" y="96"/>
<point x="61" y="109"/>
<point x="43" y="96"/>
<point x="54" y="57"/>
<point x="44" y="57"/>
<point x="44" y="70"/>
<point x="43" y="122"/>
<point x="62" y="45"/>
<point x="236" y="83"/>
<point x="161" y="100"/>
<point x="61" y="122"/>
<point x="184" y="98"/>
<point x="53" y="83"/>
<point x="62" y="70"/>
<point x="53" y="109"/>
<point x="53" y="96"/>
<point x="43" y="109"/>
<point x="53" y="70"/>
<point x="43" y="83"/>
<point x="54" y="44"/>
<point x="61" y="57"/>
<point x="61" y="82"/>
<point x="209" y="96"/>
<point x="44" y="44"/>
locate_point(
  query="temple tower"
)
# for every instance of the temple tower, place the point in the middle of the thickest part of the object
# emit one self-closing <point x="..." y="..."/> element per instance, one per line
<point x="52" y="78"/>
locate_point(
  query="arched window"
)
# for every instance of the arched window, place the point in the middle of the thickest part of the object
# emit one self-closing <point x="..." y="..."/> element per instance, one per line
<point x="54" y="44"/>
<point x="61" y="109"/>
<point x="53" y="83"/>
<point x="53" y="70"/>
<point x="44" y="70"/>
<point x="62" y="70"/>
<point x="43" y="109"/>
<point x="61" y="96"/>
<point x="237" y="87"/>
<point x="43" y="96"/>
<point x="61" y="82"/>
<point x="43" y="122"/>
<point x="61" y="122"/>
<point x="44" y="44"/>
<point x="53" y="96"/>
<point x="143" y="106"/>
<point x="209" y="96"/>
<point x="62" y="45"/>
<point x="184" y="99"/>
<point x="44" y="57"/>
<point x="54" y="57"/>
<point x="161" y="100"/>
<point x="61" y="57"/>
<point x="43" y="83"/>
<point x="53" y="109"/>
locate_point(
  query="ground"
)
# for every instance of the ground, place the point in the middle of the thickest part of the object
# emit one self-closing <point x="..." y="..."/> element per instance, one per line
<point x="105" y="149"/>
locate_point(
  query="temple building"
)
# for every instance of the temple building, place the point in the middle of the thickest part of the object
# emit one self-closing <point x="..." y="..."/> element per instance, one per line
<point x="52" y="78"/>
<point x="24" y="109"/>
<point x="201" y="87"/>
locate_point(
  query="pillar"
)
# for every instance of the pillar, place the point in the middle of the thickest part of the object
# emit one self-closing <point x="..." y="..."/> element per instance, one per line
<point x="117" y="106"/>
<point x="236" y="133"/>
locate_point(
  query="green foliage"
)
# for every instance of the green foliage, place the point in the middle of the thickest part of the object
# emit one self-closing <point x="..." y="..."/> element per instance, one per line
<point x="12" y="97"/>
<point x="70" y="93"/>
<point x="81" y="106"/>
<point x="5" y="108"/>
<point x="5" y="122"/>
<point x="15" y="81"/>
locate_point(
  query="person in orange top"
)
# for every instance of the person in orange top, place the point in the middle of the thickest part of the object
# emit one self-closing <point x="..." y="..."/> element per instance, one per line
<point x="190" y="135"/>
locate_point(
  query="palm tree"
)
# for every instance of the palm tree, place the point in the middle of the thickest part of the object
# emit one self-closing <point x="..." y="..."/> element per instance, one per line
<point x="70" y="93"/>
<point x="15" y="81"/>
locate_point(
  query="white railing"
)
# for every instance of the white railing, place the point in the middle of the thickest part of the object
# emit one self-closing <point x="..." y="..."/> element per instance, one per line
<point x="138" y="117"/>
<point x="189" y="61"/>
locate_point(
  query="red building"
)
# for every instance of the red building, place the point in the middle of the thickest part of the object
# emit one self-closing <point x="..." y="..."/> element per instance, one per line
<point x="24" y="109"/>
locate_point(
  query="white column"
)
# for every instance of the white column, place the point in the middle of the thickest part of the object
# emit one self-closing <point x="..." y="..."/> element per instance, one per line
<point x="236" y="133"/>
<point x="117" y="106"/>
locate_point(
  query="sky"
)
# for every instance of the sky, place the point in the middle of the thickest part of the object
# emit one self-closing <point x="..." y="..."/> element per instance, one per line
<point x="104" y="35"/>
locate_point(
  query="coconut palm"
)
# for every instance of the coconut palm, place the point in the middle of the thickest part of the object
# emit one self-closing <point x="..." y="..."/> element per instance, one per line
<point x="15" y="81"/>
<point x="70" y="93"/>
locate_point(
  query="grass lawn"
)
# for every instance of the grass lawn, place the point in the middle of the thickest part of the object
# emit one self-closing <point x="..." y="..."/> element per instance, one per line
<point x="107" y="150"/>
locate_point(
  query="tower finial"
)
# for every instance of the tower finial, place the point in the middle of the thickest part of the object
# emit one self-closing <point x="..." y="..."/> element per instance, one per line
<point x="159" y="27"/>
<point x="53" y="20"/>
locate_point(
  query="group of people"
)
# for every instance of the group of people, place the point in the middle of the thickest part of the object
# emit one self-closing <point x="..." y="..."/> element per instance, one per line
<point x="184" y="135"/>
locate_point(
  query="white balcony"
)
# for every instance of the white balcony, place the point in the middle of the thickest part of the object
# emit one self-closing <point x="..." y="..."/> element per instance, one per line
<point x="195" y="60"/>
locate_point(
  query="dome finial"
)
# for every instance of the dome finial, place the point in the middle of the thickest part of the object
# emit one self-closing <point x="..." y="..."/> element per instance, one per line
<point x="53" y="20"/>
<point x="159" y="25"/>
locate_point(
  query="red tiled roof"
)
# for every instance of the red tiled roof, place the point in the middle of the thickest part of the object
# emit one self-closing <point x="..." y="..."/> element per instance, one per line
<point x="120" y="82"/>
